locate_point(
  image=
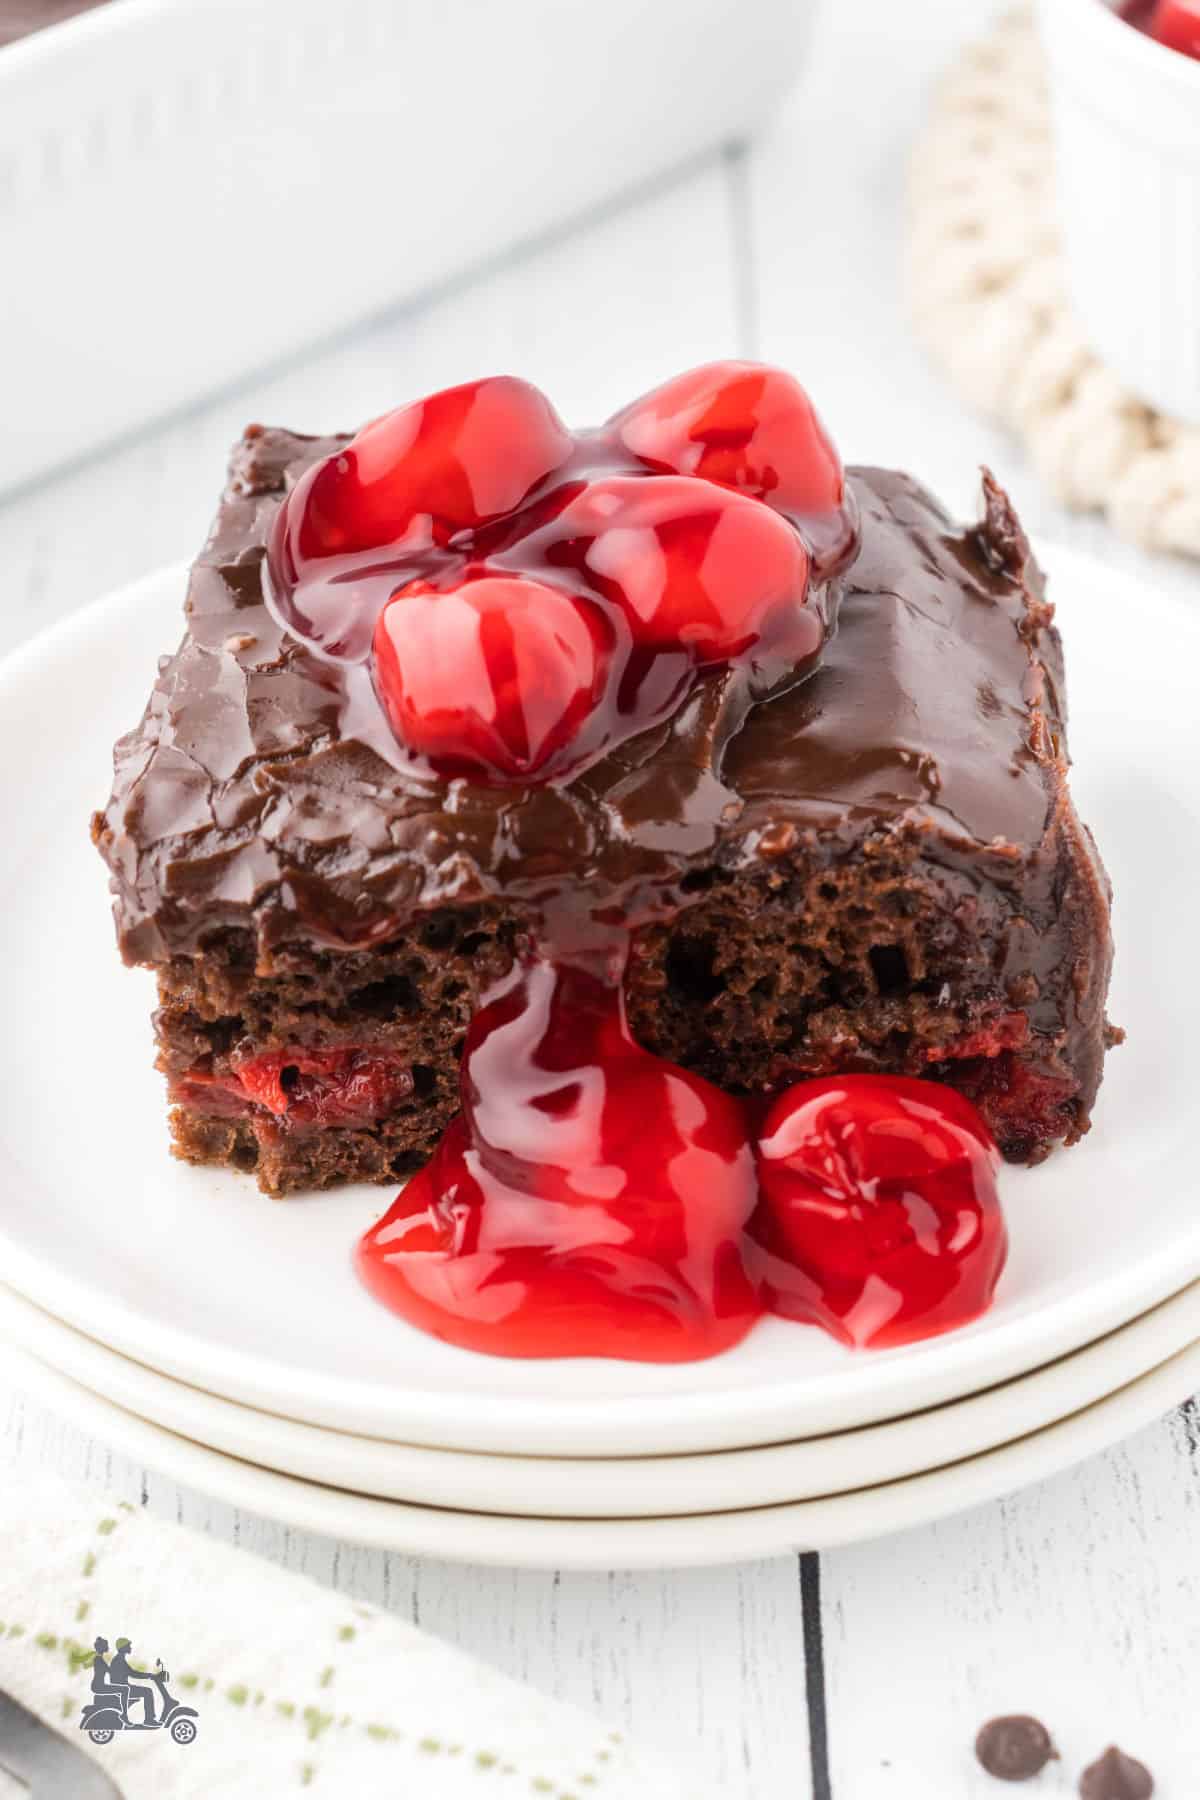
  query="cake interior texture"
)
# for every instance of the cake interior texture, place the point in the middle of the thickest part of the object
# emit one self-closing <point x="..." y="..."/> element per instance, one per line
<point x="880" y="871"/>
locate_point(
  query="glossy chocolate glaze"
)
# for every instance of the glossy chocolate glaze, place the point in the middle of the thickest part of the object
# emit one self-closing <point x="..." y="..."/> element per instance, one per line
<point x="257" y="794"/>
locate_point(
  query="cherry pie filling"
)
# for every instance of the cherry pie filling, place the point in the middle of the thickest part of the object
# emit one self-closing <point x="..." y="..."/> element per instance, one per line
<point x="521" y="600"/>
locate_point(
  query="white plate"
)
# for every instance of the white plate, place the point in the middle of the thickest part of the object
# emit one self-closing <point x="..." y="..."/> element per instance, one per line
<point x="192" y="1272"/>
<point x="613" y="1543"/>
<point x="614" y="1488"/>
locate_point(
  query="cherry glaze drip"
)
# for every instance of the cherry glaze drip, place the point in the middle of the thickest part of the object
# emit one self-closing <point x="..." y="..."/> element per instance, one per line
<point x="590" y="1199"/>
<point x="526" y="599"/>
<point x="594" y="1200"/>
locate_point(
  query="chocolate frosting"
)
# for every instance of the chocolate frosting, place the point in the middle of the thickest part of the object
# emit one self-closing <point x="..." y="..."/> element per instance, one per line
<point x="259" y="791"/>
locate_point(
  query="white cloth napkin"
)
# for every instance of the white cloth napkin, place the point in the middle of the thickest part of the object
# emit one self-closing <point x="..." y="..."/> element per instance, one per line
<point x="297" y="1689"/>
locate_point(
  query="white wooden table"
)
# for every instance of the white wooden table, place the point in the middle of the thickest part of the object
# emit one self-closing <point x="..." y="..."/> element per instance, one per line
<point x="863" y="1675"/>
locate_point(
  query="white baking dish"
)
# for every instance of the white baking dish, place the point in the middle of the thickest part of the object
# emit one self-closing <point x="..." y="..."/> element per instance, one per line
<point x="192" y="189"/>
<point x="1127" y="124"/>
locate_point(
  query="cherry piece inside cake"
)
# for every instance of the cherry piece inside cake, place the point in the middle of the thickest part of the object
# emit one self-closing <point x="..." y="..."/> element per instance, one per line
<point x="579" y="805"/>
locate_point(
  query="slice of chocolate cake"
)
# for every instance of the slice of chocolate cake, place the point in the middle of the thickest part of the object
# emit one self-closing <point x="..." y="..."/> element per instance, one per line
<point x="878" y="868"/>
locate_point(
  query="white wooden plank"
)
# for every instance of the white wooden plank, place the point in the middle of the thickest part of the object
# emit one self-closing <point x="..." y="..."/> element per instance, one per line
<point x="1077" y="1600"/>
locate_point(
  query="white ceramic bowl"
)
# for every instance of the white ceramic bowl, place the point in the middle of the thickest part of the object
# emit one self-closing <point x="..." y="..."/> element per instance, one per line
<point x="193" y="189"/>
<point x="1127" y="123"/>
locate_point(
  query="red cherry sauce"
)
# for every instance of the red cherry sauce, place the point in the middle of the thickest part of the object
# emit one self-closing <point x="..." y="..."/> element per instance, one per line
<point x="515" y="599"/>
<point x="594" y="1200"/>
<point x="879" y="1218"/>
<point x="589" y="1200"/>
<point x="1175" y="23"/>
<point x="520" y="600"/>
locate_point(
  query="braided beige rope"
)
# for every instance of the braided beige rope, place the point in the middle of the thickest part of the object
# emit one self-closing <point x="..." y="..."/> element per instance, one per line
<point x="987" y="292"/>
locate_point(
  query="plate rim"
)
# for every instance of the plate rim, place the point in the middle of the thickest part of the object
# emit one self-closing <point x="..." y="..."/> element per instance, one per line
<point x="705" y="1540"/>
<point x="683" y="1485"/>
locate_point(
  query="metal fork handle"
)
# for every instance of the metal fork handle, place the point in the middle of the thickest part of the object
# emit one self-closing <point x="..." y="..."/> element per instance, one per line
<point x="52" y="1767"/>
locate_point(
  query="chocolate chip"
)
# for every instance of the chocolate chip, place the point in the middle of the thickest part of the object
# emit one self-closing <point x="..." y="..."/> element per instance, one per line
<point x="1116" y="1777"/>
<point x="1015" y="1748"/>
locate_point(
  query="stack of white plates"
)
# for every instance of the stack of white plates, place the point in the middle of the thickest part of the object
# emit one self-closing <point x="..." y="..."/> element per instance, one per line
<point x="225" y="1340"/>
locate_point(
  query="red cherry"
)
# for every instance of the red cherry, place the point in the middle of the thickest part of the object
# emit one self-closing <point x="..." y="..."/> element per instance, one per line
<point x="744" y="425"/>
<point x="457" y="459"/>
<point x="879" y="1218"/>
<point x="495" y="679"/>
<point x="346" y="1084"/>
<point x="691" y="565"/>
<point x="589" y="1201"/>
<point x="1176" y="23"/>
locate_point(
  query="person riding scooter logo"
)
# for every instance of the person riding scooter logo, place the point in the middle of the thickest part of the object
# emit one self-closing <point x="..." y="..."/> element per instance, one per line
<point x="118" y="1689"/>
